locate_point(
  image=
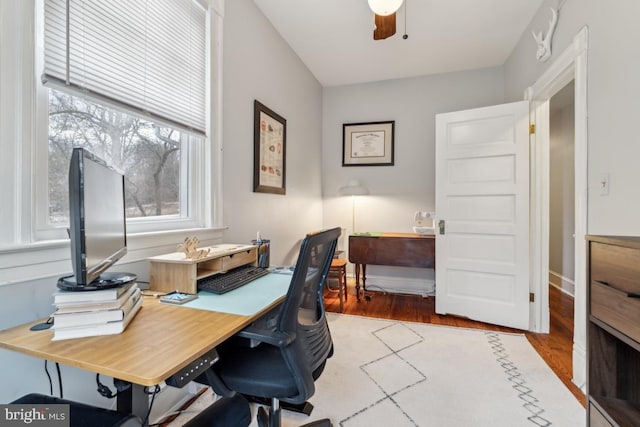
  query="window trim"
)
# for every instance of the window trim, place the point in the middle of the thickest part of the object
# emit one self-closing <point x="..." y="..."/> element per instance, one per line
<point x="22" y="257"/>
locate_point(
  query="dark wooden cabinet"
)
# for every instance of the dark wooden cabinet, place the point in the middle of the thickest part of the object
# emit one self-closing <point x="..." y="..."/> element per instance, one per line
<point x="613" y="340"/>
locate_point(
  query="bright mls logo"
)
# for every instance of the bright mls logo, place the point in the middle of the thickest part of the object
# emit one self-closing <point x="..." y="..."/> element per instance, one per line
<point x="34" y="415"/>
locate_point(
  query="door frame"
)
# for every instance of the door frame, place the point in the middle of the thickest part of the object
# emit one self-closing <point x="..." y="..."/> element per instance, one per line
<point x="570" y="65"/>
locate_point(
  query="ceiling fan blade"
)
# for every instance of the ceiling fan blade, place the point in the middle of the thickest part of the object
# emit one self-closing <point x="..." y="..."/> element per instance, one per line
<point x="385" y="26"/>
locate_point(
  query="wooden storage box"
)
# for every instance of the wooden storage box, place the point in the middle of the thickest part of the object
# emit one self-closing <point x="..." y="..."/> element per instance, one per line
<point x="174" y="271"/>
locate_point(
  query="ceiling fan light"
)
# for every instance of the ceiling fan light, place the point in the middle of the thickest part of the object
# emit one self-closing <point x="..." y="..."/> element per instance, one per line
<point x="385" y="7"/>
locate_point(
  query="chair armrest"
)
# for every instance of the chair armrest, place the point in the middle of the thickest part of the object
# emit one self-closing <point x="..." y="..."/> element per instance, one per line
<point x="278" y="339"/>
<point x="216" y="383"/>
<point x="263" y="330"/>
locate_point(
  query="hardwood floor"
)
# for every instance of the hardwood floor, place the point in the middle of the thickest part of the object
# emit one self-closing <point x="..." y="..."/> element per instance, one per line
<point x="555" y="348"/>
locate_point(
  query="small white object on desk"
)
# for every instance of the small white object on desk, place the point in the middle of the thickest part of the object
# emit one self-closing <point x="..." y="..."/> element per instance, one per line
<point x="424" y="230"/>
<point x="424" y="222"/>
<point x="177" y="297"/>
<point x="284" y="270"/>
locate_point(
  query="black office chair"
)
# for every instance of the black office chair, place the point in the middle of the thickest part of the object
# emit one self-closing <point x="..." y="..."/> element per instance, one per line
<point x="294" y="340"/>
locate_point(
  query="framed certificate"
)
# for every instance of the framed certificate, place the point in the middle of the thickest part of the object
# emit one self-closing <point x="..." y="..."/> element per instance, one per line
<point x="367" y="144"/>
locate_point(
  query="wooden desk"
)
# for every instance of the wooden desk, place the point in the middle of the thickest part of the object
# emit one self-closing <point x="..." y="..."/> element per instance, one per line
<point x="394" y="249"/>
<point x="161" y="340"/>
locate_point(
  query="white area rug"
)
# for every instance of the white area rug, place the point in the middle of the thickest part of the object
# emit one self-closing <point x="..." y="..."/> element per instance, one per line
<point x="389" y="373"/>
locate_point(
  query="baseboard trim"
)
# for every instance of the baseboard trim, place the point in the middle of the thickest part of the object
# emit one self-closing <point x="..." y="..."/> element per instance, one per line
<point x="566" y="285"/>
<point x="579" y="366"/>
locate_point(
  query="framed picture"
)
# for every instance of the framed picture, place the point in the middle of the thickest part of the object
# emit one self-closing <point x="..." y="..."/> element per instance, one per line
<point x="367" y="144"/>
<point x="269" y="149"/>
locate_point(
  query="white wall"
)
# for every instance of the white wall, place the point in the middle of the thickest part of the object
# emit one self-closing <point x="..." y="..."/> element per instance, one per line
<point x="613" y="106"/>
<point x="397" y="191"/>
<point x="259" y="65"/>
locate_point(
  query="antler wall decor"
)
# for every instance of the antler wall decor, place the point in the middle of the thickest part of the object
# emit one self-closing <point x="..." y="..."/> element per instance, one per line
<point x="544" y="43"/>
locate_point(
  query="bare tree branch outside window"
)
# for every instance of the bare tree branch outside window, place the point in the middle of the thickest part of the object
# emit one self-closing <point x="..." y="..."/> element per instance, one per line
<point x="147" y="154"/>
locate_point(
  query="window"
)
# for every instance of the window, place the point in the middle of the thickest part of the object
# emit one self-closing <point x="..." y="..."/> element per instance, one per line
<point x="138" y="102"/>
<point x="149" y="155"/>
<point x="33" y="239"/>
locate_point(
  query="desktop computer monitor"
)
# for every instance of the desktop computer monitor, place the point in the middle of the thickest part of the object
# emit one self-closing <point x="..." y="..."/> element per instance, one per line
<point x="97" y="223"/>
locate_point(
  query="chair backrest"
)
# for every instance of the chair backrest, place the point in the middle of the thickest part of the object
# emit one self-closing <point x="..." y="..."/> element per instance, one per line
<point x="302" y="312"/>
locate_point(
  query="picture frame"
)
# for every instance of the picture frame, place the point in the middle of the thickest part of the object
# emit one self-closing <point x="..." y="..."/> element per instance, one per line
<point x="368" y="144"/>
<point x="269" y="150"/>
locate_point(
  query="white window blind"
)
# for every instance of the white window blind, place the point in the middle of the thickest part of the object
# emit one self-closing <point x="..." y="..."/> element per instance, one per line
<point x="146" y="55"/>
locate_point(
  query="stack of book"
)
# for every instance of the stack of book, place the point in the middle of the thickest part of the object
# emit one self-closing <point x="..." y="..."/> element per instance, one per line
<point x="92" y="313"/>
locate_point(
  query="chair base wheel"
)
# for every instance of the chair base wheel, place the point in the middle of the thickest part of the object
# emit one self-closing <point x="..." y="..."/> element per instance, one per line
<point x="273" y="419"/>
<point x="302" y="408"/>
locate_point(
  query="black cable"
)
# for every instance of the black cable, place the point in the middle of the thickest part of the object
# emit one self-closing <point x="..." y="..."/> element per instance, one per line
<point x="59" y="380"/>
<point x="153" y="394"/>
<point x="391" y="291"/>
<point x="152" y="294"/>
<point x="103" y="390"/>
<point x="42" y="326"/>
<point x="46" y="369"/>
<point x="378" y="288"/>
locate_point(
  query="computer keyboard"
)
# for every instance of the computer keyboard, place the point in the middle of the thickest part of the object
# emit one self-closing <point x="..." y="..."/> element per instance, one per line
<point x="232" y="279"/>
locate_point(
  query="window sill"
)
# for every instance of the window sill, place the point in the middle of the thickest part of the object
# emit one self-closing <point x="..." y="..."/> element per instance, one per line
<point x="47" y="259"/>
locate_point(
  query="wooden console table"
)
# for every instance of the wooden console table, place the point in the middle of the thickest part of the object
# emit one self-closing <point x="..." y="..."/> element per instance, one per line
<point x="394" y="249"/>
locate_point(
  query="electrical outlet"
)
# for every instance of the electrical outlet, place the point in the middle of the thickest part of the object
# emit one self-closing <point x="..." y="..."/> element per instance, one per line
<point x="603" y="183"/>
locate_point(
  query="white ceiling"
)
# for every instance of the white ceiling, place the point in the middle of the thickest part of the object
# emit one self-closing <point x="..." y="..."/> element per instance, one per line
<point x="334" y="38"/>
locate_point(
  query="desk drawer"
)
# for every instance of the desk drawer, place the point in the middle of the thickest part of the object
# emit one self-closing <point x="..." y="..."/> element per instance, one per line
<point x="616" y="308"/>
<point x="616" y="265"/>
<point x="240" y="258"/>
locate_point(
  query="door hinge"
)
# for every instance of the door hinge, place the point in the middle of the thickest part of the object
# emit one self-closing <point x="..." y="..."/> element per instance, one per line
<point x="532" y="128"/>
<point x="441" y="226"/>
<point x="532" y="297"/>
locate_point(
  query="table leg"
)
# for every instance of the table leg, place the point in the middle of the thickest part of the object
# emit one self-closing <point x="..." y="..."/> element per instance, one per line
<point x="357" y="268"/>
<point x="134" y="400"/>
<point x="364" y="278"/>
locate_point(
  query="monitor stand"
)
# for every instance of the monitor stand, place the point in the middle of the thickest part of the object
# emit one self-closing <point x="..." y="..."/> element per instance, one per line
<point x="105" y="281"/>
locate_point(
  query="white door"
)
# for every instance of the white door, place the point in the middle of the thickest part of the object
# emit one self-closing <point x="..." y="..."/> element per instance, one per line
<point x="482" y="208"/>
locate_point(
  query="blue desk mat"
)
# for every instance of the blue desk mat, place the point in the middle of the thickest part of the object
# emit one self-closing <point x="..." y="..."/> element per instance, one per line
<point x="246" y="300"/>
